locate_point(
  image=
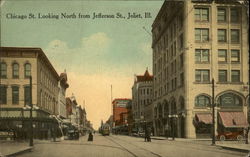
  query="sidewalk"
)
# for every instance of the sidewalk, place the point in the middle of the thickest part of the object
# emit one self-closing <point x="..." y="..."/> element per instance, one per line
<point x="232" y="145"/>
<point x="12" y="148"/>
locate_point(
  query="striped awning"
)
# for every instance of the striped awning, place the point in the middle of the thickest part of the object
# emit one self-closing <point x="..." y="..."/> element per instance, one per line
<point x="233" y="119"/>
<point x="205" y="118"/>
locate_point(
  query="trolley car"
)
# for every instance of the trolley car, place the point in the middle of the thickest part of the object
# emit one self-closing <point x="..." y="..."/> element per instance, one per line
<point x="105" y="130"/>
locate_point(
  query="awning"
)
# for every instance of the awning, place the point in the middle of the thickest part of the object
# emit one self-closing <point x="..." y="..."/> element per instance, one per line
<point x="204" y="118"/>
<point x="233" y="119"/>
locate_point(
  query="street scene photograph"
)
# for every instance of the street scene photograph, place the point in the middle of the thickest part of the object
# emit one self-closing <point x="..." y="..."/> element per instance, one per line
<point x="124" y="78"/>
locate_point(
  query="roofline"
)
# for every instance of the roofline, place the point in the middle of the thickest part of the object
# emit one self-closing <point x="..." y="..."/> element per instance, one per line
<point x="120" y="99"/>
<point x="42" y="54"/>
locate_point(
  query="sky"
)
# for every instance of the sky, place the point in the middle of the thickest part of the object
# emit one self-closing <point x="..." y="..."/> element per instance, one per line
<point x="96" y="53"/>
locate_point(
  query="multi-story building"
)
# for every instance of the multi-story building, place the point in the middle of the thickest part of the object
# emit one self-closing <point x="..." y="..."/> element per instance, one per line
<point x="120" y="107"/>
<point x="16" y="66"/>
<point x="73" y="116"/>
<point x="142" y="96"/>
<point x="194" y="42"/>
<point x="63" y="85"/>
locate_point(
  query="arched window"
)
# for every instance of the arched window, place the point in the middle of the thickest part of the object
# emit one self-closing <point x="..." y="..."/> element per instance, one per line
<point x="230" y="100"/>
<point x="155" y="112"/>
<point x="15" y="70"/>
<point x="166" y="110"/>
<point x="27" y="70"/>
<point x="160" y="111"/>
<point x="202" y="101"/>
<point x="182" y="103"/>
<point x="3" y="70"/>
<point x="173" y="107"/>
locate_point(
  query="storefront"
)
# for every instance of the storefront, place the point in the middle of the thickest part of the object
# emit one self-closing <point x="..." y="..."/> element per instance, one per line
<point x="231" y="125"/>
<point x="203" y="125"/>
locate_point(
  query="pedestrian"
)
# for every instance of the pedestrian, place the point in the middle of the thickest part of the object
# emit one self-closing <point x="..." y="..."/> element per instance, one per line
<point x="148" y="136"/>
<point x="90" y="138"/>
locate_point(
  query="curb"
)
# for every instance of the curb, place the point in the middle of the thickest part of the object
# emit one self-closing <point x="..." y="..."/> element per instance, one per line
<point x="28" y="149"/>
<point x="235" y="149"/>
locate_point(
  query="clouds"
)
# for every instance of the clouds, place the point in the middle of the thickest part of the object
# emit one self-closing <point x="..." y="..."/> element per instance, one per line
<point x="1" y="3"/>
<point x="96" y="44"/>
<point x="85" y="58"/>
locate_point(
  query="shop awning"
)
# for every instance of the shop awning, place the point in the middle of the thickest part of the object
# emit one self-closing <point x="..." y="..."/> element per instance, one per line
<point x="233" y="119"/>
<point x="204" y="118"/>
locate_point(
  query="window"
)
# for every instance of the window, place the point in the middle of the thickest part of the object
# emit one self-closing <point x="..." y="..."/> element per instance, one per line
<point x="235" y="55"/>
<point x="201" y="55"/>
<point x="201" y="14"/>
<point x="234" y="15"/>
<point x="201" y="34"/>
<point x="15" y="95"/>
<point x="202" y="101"/>
<point x="235" y="75"/>
<point x="202" y="75"/>
<point x="222" y="55"/>
<point x="26" y="95"/>
<point x="3" y="94"/>
<point x="221" y="15"/>
<point x="230" y="100"/>
<point x="222" y="76"/>
<point x="3" y="70"/>
<point x="222" y="35"/>
<point x="181" y="60"/>
<point x="235" y="35"/>
<point x="180" y="20"/>
<point x="27" y="70"/>
<point x="181" y="41"/>
<point x="181" y="79"/>
<point x="15" y="70"/>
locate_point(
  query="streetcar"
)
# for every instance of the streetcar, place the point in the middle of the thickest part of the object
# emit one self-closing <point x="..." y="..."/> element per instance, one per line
<point x="105" y="129"/>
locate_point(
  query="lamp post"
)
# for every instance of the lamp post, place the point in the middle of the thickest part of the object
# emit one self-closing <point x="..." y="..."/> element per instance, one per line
<point x="213" y="114"/>
<point x="173" y="116"/>
<point x="31" y="118"/>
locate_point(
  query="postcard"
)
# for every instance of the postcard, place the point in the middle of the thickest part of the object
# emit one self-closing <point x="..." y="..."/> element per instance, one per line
<point x="124" y="78"/>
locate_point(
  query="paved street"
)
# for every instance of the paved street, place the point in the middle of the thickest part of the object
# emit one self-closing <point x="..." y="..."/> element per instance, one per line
<point x="125" y="146"/>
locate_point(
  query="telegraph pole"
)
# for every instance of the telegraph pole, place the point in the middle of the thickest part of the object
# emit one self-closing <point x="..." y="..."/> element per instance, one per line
<point x="111" y="101"/>
<point x="31" y="118"/>
<point x="213" y="121"/>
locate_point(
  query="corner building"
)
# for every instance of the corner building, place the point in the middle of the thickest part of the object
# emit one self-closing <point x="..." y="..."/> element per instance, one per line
<point x="195" y="41"/>
<point x="17" y="64"/>
<point x="142" y="101"/>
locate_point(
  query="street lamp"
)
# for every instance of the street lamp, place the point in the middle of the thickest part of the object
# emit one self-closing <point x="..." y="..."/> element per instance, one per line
<point x="173" y="116"/>
<point x="31" y="117"/>
<point x="213" y="114"/>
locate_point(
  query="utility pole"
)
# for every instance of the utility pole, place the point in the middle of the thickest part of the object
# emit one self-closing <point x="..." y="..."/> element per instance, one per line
<point x="111" y="101"/>
<point x="213" y="121"/>
<point x="112" y="114"/>
<point x="31" y="118"/>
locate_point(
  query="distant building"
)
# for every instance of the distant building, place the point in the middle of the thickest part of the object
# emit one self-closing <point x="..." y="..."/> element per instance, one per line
<point x="63" y="85"/>
<point x="68" y="108"/>
<point x="142" y="96"/>
<point x="73" y="116"/>
<point x="194" y="42"/>
<point x="119" y="108"/>
<point x="17" y="64"/>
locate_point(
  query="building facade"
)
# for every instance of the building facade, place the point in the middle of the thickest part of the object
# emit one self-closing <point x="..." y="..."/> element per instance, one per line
<point x="63" y="85"/>
<point x="142" y="97"/>
<point x="195" y="42"/>
<point x="16" y="66"/>
<point x="120" y="107"/>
